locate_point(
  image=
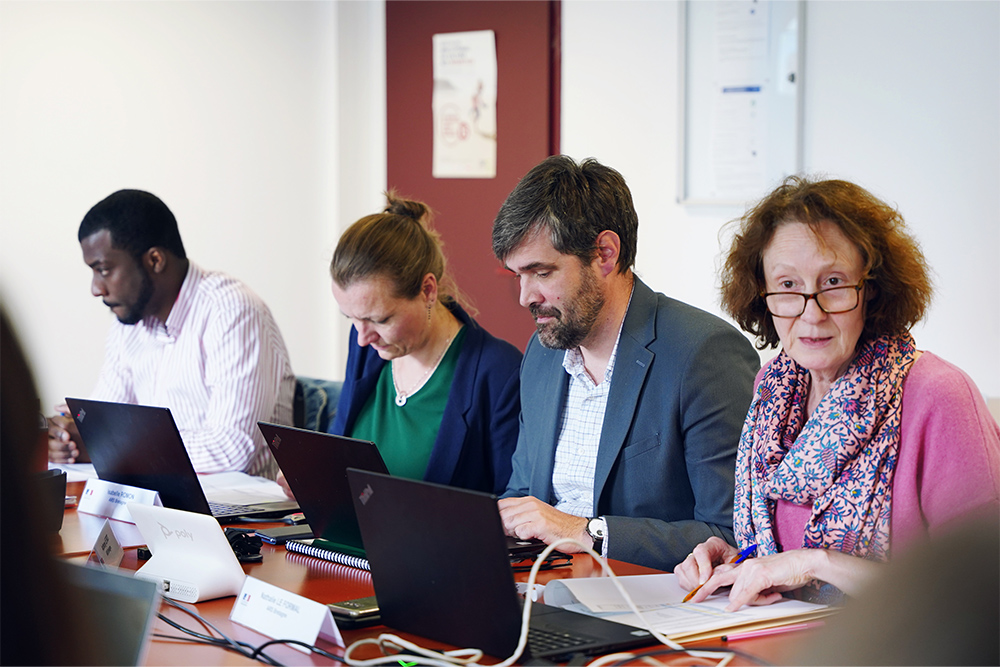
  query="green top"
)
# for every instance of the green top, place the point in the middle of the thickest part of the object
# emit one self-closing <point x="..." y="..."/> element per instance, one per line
<point x="405" y="435"/>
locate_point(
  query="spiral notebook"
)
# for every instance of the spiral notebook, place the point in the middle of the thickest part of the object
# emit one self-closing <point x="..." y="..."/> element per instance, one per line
<point x="315" y="465"/>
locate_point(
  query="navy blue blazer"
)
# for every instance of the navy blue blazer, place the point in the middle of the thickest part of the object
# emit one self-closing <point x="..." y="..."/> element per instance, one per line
<point x="479" y="427"/>
<point x="680" y="390"/>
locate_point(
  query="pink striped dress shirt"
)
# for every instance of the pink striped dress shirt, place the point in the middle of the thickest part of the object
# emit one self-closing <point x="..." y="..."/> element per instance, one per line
<point x="219" y="363"/>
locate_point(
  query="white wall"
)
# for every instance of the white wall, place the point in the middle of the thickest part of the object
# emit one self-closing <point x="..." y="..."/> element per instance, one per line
<point x="900" y="97"/>
<point x="229" y="111"/>
<point x="262" y="125"/>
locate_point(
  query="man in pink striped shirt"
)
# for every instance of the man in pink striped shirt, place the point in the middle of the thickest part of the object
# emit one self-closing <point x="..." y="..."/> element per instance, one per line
<point x="195" y="341"/>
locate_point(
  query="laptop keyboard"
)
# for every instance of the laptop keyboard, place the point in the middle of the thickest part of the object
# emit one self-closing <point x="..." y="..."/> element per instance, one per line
<point x="541" y="640"/>
<point x="228" y="509"/>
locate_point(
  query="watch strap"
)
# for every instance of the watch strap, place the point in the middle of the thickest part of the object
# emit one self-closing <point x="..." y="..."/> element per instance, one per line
<point x="597" y="528"/>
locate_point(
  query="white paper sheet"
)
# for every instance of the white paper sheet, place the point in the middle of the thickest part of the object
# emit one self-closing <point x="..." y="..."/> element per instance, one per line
<point x="659" y="598"/>
<point x="240" y="488"/>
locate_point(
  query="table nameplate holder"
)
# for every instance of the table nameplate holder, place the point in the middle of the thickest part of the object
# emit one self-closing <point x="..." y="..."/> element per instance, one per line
<point x="280" y="614"/>
<point x="110" y="500"/>
<point x="107" y="552"/>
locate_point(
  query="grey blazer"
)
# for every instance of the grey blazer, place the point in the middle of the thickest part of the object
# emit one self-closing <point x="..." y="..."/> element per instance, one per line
<point x="680" y="390"/>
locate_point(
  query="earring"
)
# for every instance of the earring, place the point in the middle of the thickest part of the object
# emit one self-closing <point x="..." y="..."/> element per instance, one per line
<point x="429" y="306"/>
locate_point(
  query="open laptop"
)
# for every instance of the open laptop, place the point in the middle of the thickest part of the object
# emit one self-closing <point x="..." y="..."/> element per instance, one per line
<point x="120" y="631"/>
<point x="315" y="466"/>
<point x="440" y="570"/>
<point x="140" y="446"/>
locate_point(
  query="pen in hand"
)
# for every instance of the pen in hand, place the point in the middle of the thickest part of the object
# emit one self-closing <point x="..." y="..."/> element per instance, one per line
<point x="737" y="559"/>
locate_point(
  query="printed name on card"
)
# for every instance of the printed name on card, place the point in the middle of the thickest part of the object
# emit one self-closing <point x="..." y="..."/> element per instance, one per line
<point x="109" y="500"/>
<point x="279" y="614"/>
<point x="107" y="550"/>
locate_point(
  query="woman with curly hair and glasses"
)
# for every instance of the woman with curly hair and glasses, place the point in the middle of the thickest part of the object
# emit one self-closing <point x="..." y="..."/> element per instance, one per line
<point x="856" y="442"/>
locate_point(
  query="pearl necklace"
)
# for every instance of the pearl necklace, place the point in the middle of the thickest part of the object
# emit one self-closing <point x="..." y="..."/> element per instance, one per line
<point x="401" y="396"/>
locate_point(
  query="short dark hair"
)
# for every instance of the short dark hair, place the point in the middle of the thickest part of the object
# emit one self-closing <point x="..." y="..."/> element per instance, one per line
<point x="894" y="266"/>
<point x="398" y="244"/>
<point x="136" y="220"/>
<point x="574" y="203"/>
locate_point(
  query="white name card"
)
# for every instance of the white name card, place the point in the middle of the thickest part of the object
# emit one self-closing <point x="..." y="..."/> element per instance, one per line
<point x="279" y="614"/>
<point x="107" y="550"/>
<point x="109" y="500"/>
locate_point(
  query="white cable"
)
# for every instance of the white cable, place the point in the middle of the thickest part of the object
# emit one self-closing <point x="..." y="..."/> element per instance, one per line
<point x="428" y="657"/>
<point x="610" y="658"/>
<point x="452" y="658"/>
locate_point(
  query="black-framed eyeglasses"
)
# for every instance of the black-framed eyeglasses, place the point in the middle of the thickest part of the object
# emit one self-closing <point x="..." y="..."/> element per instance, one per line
<point x="831" y="301"/>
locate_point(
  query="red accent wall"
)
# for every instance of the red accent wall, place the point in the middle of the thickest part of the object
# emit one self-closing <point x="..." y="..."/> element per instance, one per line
<point x="527" y="41"/>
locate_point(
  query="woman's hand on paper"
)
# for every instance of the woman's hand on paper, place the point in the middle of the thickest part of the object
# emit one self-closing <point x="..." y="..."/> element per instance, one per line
<point x="702" y="561"/>
<point x="760" y="581"/>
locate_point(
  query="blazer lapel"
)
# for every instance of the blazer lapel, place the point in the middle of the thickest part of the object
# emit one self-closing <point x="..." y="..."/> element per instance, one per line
<point x="455" y="420"/>
<point x="632" y="364"/>
<point x="550" y="386"/>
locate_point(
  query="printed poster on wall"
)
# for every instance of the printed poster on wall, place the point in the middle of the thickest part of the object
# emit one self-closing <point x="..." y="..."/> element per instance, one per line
<point x="465" y="105"/>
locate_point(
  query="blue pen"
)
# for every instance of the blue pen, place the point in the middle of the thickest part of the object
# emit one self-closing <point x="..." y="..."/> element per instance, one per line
<point x="749" y="552"/>
<point x="737" y="559"/>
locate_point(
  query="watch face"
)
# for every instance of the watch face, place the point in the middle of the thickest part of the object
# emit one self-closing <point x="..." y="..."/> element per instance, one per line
<point x="596" y="528"/>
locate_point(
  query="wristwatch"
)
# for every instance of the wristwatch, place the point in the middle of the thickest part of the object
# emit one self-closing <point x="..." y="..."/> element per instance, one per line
<point x="597" y="528"/>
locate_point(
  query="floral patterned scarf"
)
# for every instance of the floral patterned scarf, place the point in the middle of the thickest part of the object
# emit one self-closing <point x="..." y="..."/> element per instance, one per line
<point x="841" y="460"/>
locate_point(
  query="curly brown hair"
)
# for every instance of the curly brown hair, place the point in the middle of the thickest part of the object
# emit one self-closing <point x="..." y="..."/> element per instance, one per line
<point x="895" y="269"/>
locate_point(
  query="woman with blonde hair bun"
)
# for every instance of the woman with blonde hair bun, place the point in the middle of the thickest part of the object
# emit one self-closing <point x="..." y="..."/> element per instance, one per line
<point x="435" y="391"/>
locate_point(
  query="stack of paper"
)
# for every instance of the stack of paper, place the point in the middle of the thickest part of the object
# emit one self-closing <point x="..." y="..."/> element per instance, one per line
<point x="659" y="596"/>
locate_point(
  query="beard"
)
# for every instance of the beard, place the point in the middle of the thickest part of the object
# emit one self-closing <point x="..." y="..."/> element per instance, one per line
<point x="572" y="324"/>
<point x="138" y="308"/>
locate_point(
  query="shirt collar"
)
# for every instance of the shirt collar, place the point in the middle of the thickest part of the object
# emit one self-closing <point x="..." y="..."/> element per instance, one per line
<point x="172" y="328"/>
<point x="573" y="358"/>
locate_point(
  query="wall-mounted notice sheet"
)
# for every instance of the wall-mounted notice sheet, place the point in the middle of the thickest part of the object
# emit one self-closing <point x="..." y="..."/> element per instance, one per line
<point x="465" y="105"/>
<point x="741" y="111"/>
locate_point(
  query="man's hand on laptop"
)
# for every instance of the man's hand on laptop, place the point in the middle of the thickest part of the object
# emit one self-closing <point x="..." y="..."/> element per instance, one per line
<point x="64" y="439"/>
<point x="528" y="517"/>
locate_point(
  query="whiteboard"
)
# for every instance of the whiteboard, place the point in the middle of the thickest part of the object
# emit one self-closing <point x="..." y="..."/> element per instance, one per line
<point x="740" y="102"/>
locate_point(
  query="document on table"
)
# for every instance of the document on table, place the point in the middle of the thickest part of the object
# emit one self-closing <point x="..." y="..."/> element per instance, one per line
<point x="659" y="598"/>
<point x="239" y="488"/>
<point x="236" y="488"/>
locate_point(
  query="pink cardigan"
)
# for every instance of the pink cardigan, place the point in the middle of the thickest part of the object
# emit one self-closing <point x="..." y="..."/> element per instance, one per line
<point x="949" y="457"/>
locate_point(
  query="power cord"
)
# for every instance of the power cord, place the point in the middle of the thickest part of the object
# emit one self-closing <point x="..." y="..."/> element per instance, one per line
<point x="402" y="648"/>
<point x="223" y="641"/>
<point x="473" y="656"/>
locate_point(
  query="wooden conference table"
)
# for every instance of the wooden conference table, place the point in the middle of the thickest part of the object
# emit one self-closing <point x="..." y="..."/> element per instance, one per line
<point x="326" y="582"/>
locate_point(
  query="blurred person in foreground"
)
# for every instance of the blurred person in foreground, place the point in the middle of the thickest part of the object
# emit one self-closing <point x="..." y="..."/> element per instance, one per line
<point x="35" y="590"/>
<point x="921" y="609"/>
<point x="856" y="443"/>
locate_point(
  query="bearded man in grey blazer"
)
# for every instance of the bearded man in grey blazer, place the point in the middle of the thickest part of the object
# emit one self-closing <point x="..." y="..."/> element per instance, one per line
<point x="631" y="402"/>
